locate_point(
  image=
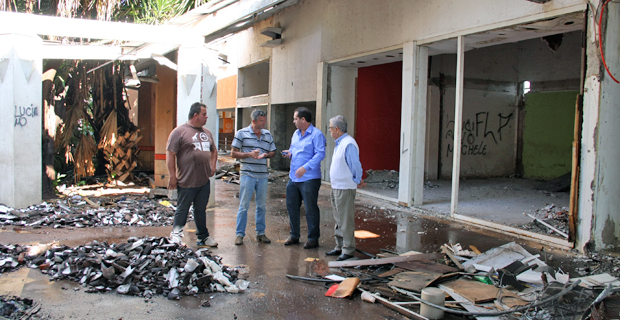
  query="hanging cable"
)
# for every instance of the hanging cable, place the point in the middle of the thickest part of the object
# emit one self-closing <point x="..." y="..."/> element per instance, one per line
<point x="600" y="40"/>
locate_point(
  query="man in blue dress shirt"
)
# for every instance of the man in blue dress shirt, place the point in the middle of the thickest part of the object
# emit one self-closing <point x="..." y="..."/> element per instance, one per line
<point x="306" y="153"/>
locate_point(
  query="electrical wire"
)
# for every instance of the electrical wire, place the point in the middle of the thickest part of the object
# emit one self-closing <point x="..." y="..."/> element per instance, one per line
<point x="600" y="40"/>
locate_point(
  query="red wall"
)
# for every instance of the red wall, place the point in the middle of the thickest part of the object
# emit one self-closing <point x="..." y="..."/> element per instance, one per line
<point x="379" y="91"/>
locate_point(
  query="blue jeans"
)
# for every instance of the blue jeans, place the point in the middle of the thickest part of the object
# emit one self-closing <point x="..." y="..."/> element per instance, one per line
<point x="199" y="196"/>
<point x="247" y="186"/>
<point x="308" y="191"/>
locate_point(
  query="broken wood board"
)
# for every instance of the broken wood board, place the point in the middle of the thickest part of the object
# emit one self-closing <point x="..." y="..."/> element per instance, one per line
<point x="346" y="287"/>
<point x="414" y="280"/>
<point x="452" y="257"/>
<point x="391" y="273"/>
<point x="426" y="265"/>
<point x="375" y="262"/>
<point x="474" y="291"/>
<point x="469" y="306"/>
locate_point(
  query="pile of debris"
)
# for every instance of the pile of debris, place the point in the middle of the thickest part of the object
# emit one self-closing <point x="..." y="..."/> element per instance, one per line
<point x="17" y="308"/>
<point x="384" y="178"/>
<point x="80" y="212"/>
<point x="141" y="267"/>
<point x="230" y="173"/>
<point x="503" y="281"/>
<point x="549" y="219"/>
<point x="12" y="257"/>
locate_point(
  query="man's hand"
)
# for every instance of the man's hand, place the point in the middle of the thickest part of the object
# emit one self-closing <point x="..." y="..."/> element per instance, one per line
<point x="300" y="172"/>
<point x="361" y="184"/>
<point x="286" y="154"/>
<point x="254" y="154"/>
<point x="172" y="183"/>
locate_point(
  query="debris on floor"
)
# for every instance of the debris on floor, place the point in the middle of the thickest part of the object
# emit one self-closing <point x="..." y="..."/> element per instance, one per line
<point x="550" y="219"/>
<point x="141" y="267"/>
<point x="79" y="212"/>
<point x="17" y="308"/>
<point x="382" y="178"/>
<point x="230" y="173"/>
<point x="501" y="283"/>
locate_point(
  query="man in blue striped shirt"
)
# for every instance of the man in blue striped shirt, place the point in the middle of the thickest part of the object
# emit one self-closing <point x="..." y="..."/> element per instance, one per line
<point x="306" y="153"/>
<point x="252" y="146"/>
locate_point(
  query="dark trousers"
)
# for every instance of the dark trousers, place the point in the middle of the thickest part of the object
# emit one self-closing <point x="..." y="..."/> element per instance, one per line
<point x="308" y="191"/>
<point x="198" y="196"/>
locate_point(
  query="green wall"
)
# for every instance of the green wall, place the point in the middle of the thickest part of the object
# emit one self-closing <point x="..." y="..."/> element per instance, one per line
<point x="548" y="134"/>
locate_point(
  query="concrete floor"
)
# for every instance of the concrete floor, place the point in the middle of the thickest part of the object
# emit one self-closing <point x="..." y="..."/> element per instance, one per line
<point x="271" y="295"/>
<point x="500" y="200"/>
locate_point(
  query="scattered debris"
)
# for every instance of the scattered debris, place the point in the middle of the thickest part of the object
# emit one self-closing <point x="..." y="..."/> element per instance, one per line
<point x="383" y="178"/>
<point x="141" y="267"/>
<point x="79" y="212"/>
<point x="503" y="281"/>
<point x="17" y="308"/>
<point x="549" y="219"/>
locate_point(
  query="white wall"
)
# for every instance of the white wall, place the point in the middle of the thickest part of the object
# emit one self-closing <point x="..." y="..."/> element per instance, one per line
<point x="20" y="127"/>
<point x="294" y="62"/>
<point x="488" y="140"/>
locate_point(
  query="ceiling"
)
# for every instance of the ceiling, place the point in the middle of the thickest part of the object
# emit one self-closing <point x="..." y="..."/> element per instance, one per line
<point x="534" y="30"/>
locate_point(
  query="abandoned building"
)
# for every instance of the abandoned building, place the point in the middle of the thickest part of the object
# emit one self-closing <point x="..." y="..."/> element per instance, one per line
<point x="468" y="104"/>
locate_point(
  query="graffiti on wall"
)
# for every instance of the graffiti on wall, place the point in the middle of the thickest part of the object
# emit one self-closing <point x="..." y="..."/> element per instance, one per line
<point x="477" y="133"/>
<point x="23" y="113"/>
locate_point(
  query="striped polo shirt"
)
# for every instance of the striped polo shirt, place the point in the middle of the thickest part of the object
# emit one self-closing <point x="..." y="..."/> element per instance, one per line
<point x="247" y="141"/>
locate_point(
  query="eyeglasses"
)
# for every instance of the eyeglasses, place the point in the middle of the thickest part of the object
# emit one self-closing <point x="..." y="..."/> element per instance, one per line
<point x="332" y="128"/>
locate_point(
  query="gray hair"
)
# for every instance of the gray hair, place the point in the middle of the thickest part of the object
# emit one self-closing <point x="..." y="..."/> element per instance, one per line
<point x="339" y="122"/>
<point x="195" y="109"/>
<point x="258" y="113"/>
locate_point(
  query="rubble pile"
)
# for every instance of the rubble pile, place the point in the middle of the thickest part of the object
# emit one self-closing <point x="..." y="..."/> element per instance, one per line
<point x="386" y="178"/>
<point x="554" y="216"/>
<point x="11" y="257"/>
<point x="17" y="308"/>
<point x="80" y="212"/>
<point x="501" y="283"/>
<point x="141" y="267"/>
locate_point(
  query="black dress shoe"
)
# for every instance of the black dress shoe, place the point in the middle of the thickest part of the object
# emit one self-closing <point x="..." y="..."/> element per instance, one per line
<point x="291" y="241"/>
<point x="344" y="256"/>
<point x="334" y="252"/>
<point x="311" y="244"/>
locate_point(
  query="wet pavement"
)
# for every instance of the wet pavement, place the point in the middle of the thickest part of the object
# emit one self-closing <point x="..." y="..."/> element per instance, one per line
<point x="271" y="295"/>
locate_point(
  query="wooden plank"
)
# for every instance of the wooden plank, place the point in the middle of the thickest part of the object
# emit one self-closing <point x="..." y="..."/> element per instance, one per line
<point x="468" y="306"/>
<point x="426" y="265"/>
<point x="474" y="291"/>
<point x="574" y="182"/>
<point x="474" y="249"/>
<point x="390" y="273"/>
<point x="374" y="262"/>
<point x="452" y="257"/>
<point x="414" y="280"/>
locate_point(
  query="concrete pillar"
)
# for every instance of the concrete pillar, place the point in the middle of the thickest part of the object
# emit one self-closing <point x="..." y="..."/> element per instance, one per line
<point x="605" y="229"/>
<point x="20" y="135"/>
<point x="196" y="82"/>
<point x="405" y="190"/>
<point x="413" y="125"/>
